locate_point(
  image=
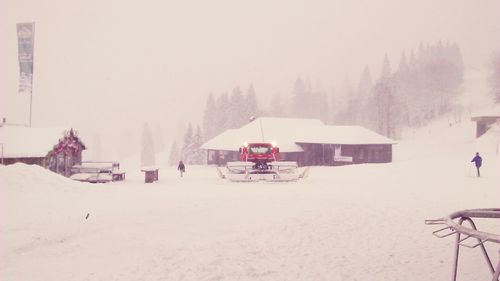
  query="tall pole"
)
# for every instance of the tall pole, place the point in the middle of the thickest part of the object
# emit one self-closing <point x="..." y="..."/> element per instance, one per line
<point x="261" y="129"/>
<point x="31" y="104"/>
<point x="498" y="140"/>
<point x="1" y="154"/>
<point x="497" y="133"/>
<point x="32" y="73"/>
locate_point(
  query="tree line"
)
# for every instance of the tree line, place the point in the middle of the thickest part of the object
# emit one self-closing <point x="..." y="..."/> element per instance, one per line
<point x="422" y="87"/>
<point x="494" y="77"/>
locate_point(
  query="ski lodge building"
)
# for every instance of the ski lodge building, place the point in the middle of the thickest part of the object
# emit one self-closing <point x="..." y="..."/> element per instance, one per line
<point x="486" y="120"/>
<point x="52" y="148"/>
<point x="309" y="142"/>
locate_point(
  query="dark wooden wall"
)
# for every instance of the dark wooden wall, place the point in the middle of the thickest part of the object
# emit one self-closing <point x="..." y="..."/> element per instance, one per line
<point x="26" y="160"/>
<point x="483" y="123"/>
<point x="221" y="157"/>
<point x="60" y="163"/>
<point x="318" y="155"/>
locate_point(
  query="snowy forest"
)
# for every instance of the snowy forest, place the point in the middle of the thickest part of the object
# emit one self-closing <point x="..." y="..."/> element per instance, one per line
<point x="423" y="86"/>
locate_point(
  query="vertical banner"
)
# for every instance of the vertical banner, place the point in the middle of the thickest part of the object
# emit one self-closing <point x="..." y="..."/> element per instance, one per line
<point x="26" y="41"/>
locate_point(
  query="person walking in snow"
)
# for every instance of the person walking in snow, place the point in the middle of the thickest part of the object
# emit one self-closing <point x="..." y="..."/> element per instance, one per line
<point x="478" y="161"/>
<point x="181" y="167"/>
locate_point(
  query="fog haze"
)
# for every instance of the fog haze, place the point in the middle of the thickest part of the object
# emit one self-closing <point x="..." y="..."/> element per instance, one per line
<point x="106" y="67"/>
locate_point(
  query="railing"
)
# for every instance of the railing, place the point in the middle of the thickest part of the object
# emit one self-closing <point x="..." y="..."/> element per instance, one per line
<point x="113" y="164"/>
<point x="454" y="225"/>
<point x="1" y="153"/>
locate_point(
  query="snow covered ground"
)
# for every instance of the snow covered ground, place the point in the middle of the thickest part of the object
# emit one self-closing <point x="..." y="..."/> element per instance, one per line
<point x="363" y="222"/>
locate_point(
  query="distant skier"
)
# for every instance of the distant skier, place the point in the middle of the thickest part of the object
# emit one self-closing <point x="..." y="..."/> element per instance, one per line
<point x="478" y="161"/>
<point x="181" y="167"/>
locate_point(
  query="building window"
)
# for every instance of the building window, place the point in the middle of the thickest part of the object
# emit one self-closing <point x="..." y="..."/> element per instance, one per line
<point x="211" y="155"/>
<point x="361" y="154"/>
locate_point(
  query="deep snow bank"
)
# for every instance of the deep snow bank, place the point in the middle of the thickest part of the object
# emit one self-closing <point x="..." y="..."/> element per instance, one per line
<point x="33" y="178"/>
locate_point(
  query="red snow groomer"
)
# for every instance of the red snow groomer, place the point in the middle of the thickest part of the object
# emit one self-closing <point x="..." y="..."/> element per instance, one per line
<point x="259" y="153"/>
<point x="259" y="162"/>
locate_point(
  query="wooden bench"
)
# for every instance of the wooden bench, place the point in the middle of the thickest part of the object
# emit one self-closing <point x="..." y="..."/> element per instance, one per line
<point x="118" y="175"/>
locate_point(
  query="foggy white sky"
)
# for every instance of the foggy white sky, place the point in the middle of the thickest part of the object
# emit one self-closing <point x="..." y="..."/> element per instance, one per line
<point x="151" y="60"/>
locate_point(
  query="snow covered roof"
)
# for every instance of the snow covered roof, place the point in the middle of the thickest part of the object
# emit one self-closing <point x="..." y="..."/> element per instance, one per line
<point x="19" y="141"/>
<point x="288" y="132"/>
<point x="282" y="131"/>
<point x="344" y="135"/>
<point x="492" y="111"/>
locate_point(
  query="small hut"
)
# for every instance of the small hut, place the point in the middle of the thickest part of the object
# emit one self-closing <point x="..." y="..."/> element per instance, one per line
<point x="52" y="148"/>
<point x="486" y="119"/>
<point x="483" y="123"/>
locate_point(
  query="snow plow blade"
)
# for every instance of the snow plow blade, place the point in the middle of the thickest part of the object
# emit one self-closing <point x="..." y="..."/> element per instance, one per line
<point x="278" y="171"/>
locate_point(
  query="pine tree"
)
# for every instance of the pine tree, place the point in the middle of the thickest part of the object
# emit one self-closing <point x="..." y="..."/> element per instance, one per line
<point x="385" y="102"/>
<point x="412" y="62"/>
<point x="386" y="68"/>
<point x="456" y="55"/>
<point x="299" y="97"/>
<point x="221" y="115"/>
<point x="277" y="107"/>
<point x="236" y="110"/>
<point x="494" y="78"/>
<point x="364" y="94"/>
<point x="187" y="147"/>
<point x="322" y="107"/>
<point x="147" y="150"/>
<point x="403" y="64"/>
<point x="209" y="117"/>
<point x="198" y="154"/>
<point x="344" y="103"/>
<point x="175" y="154"/>
<point x="365" y="84"/>
<point x="402" y="89"/>
<point x="332" y="107"/>
<point x="251" y="104"/>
